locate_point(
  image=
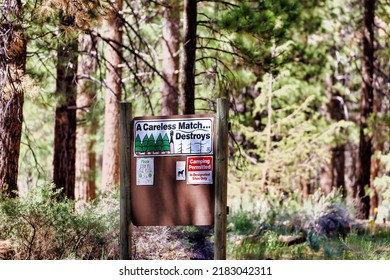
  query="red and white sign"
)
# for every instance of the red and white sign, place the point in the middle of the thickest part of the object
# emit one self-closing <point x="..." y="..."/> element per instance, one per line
<point x="200" y="170"/>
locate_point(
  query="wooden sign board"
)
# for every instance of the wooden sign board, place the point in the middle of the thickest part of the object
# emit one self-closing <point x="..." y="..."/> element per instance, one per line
<point x="172" y="172"/>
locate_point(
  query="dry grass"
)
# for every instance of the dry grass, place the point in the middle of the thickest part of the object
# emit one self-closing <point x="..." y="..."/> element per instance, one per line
<point x="171" y="243"/>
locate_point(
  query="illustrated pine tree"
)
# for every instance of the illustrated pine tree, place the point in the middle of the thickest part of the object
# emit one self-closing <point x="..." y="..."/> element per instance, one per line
<point x="159" y="144"/>
<point x="151" y="144"/>
<point x="165" y="145"/>
<point x="138" y="145"/>
<point x="145" y="143"/>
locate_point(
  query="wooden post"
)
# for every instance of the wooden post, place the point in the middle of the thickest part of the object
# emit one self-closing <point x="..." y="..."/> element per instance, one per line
<point x="221" y="179"/>
<point x="125" y="209"/>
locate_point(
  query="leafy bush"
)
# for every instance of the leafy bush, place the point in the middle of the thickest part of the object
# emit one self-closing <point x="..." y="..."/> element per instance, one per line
<point x="41" y="226"/>
<point x="242" y="222"/>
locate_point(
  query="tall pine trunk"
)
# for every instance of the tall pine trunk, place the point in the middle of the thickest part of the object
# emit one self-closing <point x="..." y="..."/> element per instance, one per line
<point x="110" y="173"/>
<point x="64" y="162"/>
<point x="189" y="57"/>
<point x="86" y="120"/>
<point x="366" y="109"/>
<point x="12" y="69"/>
<point x="171" y="55"/>
<point x="333" y="173"/>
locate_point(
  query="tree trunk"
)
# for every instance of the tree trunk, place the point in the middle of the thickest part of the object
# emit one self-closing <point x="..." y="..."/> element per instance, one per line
<point x="170" y="65"/>
<point x="64" y="162"/>
<point x="366" y="109"/>
<point x="189" y="56"/>
<point x="87" y="121"/>
<point x="334" y="173"/>
<point x="110" y="173"/>
<point x="12" y="69"/>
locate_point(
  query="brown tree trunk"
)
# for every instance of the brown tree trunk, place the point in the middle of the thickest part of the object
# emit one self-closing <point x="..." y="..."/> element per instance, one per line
<point x="334" y="172"/>
<point x="64" y="162"/>
<point x="85" y="188"/>
<point x="12" y="69"/>
<point x="110" y="173"/>
<point x="170" y="65"/>
<point x="378" y="146"/>
<point x="366" y="109"/>
<point x="189" y="56"/>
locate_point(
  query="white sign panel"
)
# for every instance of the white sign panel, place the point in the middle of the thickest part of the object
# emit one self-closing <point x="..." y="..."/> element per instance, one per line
<point x="180" y="170"/>
<point x="145" y="171"/>
<point x="200" y="170"/>
<point x="167" y="137"/>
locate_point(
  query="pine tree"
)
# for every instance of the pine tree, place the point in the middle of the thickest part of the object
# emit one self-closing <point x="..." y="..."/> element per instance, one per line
<point x="170" y="57"/>
<point x="12" y="69"/>
<point x="64" y="162"/>
<point x="87" y="120"/>
<point x="189" y="57"/>
<point x="366" y="109"/>
<point x="110" y="172"/>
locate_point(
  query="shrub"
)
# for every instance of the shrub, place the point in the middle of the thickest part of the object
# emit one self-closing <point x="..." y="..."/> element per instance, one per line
<point x="41" y="226"/>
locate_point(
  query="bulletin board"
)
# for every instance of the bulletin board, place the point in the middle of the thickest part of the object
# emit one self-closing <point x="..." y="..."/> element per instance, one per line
<point x="172" y="170"/>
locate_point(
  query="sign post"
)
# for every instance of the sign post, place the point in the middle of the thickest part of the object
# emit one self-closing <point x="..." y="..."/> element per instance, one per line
<point x="221" y="180"/>
<point x="125" y="207"/>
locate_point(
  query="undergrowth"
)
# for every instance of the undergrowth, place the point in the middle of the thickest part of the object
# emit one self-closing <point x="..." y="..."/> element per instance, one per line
<point x="322" y="227"/>
<point x="41" y="226"/>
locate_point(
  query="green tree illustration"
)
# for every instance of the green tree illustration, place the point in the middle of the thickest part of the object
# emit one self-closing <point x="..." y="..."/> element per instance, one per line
<point x="165" y="144"/>
<point x="151" y="144"/>
<point x="145" y="142"/>
<point x="138" y="144"/>
<point x="159" y="144"/>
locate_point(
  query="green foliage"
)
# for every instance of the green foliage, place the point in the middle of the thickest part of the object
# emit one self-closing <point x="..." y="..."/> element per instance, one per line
<point x="42" y="227"/>
<point x="242" y="222"/>
<point x="337" y="238"/>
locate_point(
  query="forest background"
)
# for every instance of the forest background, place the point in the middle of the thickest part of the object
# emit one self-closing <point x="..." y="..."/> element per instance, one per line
<point x="308" y="88"/>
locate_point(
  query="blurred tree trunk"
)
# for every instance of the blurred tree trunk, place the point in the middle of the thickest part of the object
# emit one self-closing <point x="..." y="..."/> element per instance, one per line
<point x="87" y="121"/>
<point x="333" y="174"/>
<point x="110" y="172"/>
<point x="171" y="55"/>
<point x="64" y="163"/>
<point x="189" y="56"/>
<point x="378" y="146"/>
<point x="12" y="69"/>
<point x="366" y="109"/>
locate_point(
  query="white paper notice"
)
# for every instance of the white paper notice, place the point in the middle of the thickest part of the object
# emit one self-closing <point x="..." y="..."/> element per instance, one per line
<point x="180" y="170"/>
<point x="145" y="171"/>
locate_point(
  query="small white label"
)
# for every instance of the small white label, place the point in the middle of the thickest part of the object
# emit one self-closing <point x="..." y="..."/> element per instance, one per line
<point x="180" y="170"/>
<point x="145" y="171"/>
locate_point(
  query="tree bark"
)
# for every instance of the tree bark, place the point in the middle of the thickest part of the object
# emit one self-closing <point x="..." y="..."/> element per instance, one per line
<point x="110" y="173"/>
<point x="64" y="162"/>
<point x="12" y="69"/>
<point x="366" y="109"/>
<point x="189" y="56"/>
<point x="85" y="189"/>
<point x="170" y="55"/>
<point x="333" y="174"/>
